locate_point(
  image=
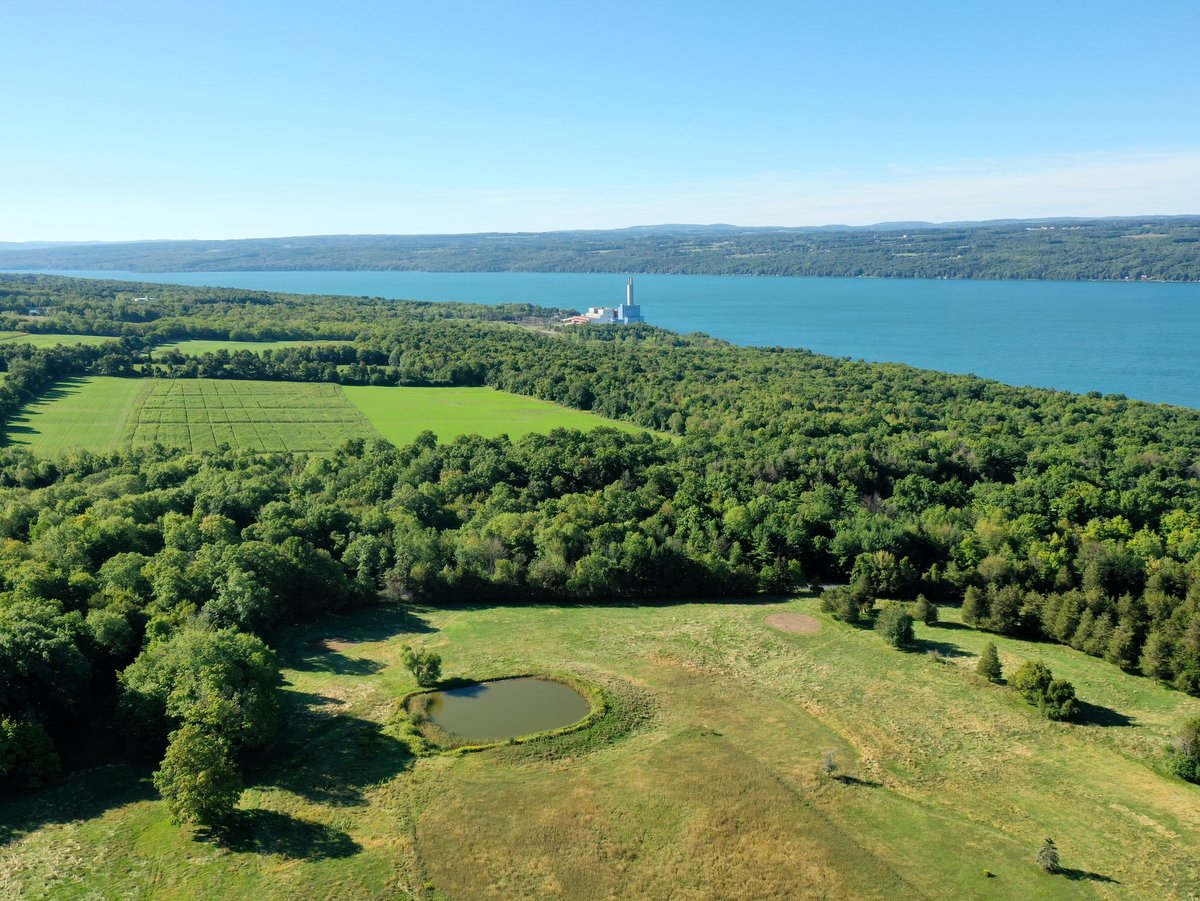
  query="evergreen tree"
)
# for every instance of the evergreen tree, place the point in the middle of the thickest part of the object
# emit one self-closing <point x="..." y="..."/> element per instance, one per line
<point x="1185" y="751"/>
<point x="840" y="602"/>
<point x="989" y="663"/>
<point x="895" y="625"/>
<point x="974" y="607"/>
<point x="829" y="764"/>
<point x="925" y="611"/>
<point x="1047" y="857"/>
<point x="1031" y="679"/>
<point x="1058" y="701"/>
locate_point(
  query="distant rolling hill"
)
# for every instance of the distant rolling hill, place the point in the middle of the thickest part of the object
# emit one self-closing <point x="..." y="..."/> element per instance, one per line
<point x="1162" y="248"/>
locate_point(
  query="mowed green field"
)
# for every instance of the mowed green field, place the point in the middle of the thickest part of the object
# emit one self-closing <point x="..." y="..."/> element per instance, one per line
<point x="400" y="414"/>
<point x="78" y="414"/>
<point x="707" y="786"/>
<point x="54" y="340"/>
<point x="199" y="347"/>
<point x="102" y="413"/>
<point x="202" y="414"/>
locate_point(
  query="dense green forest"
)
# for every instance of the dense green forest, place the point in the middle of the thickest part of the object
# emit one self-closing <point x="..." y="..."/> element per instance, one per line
<point x="1161" y="248"/>
<point x="144" y="586"/>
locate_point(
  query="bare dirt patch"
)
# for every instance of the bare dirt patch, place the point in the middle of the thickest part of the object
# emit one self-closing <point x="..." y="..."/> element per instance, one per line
<point x="799" y="623"/>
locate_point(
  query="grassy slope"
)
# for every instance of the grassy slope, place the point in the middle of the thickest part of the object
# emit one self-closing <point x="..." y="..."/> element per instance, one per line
<point x="198" y="347"/>
<point x="400" y="414"/>
<point x="716" y="797"/>
<point x="78" y="413"/>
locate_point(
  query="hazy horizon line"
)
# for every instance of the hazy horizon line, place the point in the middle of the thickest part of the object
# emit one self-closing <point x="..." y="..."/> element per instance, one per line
<point x="662" y="226"/>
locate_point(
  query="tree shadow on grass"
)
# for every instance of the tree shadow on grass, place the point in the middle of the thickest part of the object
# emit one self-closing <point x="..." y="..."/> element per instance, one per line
<point x="20" y="422"/>
<point x="951" y="626"/>
<point x="271" y="832"/>
<point x="1096" y="715"/>
<point x="338" y="632"/>
<point x="327" y="756"/>
<point x="945" y="648"/>
<point x="1085" y="874"/>
<point x="324" y="659"/>
<point x="82" y="795"/>
<point x="854" y="780"/>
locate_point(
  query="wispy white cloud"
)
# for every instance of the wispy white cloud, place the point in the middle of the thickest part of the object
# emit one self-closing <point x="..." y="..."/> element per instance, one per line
<point x="1093" y="184"/>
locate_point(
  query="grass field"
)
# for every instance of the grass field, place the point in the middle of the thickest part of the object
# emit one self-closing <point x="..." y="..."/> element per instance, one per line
<point x="78" y="414"/>
<point x="202" y="414"/>
<point x="53" y="340"/>
<point x="400" y="414"/>
<point x="101" y="413"/>
<point x="198" y="347"/>
<point x="708" y="790"/>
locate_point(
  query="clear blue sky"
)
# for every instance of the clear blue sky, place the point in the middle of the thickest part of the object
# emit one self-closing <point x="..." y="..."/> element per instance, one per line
<point x="129" y="120"/>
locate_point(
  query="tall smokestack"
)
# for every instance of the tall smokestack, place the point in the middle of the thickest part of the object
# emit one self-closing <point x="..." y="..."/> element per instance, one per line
<point x="629" y="292"/>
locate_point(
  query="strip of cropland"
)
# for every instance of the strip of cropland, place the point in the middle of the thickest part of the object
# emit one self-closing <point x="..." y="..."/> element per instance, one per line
<point x="39" y="340"/>
<point x="101" y="413"/>
<point x="400" y="414"/>
<point x="199" y="346"/>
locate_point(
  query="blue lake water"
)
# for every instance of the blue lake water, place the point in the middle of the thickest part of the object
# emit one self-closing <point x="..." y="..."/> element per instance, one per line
<point x="1136" y="339"/>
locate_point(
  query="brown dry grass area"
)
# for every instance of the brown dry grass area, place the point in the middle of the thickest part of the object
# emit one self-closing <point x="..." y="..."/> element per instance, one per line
<point x="799" y="623"/>
<point x="651" y="824"/>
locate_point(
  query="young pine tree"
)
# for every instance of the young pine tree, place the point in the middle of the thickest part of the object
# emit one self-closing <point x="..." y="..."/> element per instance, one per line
<point x="1047" y="857"/>
<point x="829" y="765"/>
<point x="895" y="625"/>
<point x="989" y="663"/>
<point x="1185" y="751"/>
<point x="925" y="611"/>
<point x="974" y="607"/>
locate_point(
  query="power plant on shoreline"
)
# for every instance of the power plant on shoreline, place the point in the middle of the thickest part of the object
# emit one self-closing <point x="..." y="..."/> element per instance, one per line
<point x="626" y="314"/>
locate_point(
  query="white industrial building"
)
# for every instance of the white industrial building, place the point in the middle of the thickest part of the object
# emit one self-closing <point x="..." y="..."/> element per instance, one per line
<point x="629" y="312"/>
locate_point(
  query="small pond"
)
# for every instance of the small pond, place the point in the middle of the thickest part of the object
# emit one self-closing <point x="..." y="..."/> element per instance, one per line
<point x="493" y="711"/>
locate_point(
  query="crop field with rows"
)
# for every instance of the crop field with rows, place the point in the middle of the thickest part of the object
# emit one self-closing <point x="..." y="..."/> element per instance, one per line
<point x="202" y="414"/>
<point x="102" y="413"/>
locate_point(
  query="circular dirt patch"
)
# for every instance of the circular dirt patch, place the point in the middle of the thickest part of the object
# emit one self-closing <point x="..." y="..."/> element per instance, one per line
<point x="794" y="622"/>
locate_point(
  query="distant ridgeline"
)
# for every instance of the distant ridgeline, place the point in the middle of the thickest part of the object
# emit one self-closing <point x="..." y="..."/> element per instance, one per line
<point x="1160" y="248"/>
